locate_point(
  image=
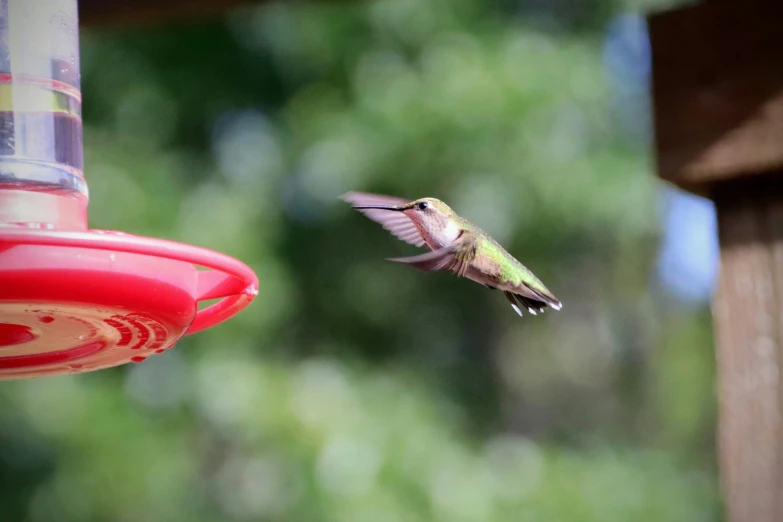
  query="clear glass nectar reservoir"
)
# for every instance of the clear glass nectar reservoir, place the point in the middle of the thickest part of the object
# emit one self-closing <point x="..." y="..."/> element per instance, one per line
<point x="40" y="112"/>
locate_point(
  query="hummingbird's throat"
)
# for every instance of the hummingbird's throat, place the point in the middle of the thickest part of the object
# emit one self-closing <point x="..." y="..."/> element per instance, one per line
<point x="446" y="234"/>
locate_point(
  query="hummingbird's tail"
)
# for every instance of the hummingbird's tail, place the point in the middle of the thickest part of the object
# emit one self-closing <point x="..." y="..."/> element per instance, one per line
<point x="535" y="303"/>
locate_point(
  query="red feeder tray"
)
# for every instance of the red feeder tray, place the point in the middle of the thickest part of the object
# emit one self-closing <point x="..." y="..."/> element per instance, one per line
<point x="80" y="301"/>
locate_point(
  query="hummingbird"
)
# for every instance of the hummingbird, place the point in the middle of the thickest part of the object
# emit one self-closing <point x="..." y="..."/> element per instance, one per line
<point x="456" y="245"/>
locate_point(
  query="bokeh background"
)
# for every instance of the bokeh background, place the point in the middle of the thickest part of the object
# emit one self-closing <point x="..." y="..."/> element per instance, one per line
<point x="354" y="389"/>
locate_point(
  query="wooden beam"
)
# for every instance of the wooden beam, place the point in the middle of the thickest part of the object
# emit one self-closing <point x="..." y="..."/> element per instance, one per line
<point x="718" y="91"/>
<point x="114" y="12"/>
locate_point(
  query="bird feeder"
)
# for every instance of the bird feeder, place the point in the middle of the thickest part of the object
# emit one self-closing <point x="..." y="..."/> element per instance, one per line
<point x="71" y="299"/>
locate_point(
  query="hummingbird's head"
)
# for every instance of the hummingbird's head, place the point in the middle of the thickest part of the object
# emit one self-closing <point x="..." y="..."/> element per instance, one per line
<point x="428" y="210"/>
<point x="434" y="219"/>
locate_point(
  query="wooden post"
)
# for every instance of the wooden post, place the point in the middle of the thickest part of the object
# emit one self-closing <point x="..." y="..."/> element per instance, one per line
<point x="718" y="97"/>
<point x="749" y="332"/>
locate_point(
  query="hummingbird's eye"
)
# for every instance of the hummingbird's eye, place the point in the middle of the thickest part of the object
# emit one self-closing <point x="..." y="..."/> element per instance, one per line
<point x="423" y="205"/>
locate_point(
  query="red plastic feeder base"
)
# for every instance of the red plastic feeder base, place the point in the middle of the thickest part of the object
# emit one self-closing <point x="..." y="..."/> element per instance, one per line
<point x="74" y="302"/>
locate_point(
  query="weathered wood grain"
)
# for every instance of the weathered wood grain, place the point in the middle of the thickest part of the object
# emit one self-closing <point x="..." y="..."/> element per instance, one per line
<point x="748" y="310"/>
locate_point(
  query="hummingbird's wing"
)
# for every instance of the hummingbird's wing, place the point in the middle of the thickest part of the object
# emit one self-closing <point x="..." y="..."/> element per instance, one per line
<point x="395" y="222"/>
<point x="455" y="257"/>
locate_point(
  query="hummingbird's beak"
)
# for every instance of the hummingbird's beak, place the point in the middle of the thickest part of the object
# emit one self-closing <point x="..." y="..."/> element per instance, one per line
<point x="380" y="207"/>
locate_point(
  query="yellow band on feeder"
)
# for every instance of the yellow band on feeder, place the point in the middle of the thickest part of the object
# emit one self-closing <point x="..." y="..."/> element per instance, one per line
<point x="20" y="97"/>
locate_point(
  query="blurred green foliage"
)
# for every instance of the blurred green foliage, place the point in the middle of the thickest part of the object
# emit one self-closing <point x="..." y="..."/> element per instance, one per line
<point x="354" y="389"/>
